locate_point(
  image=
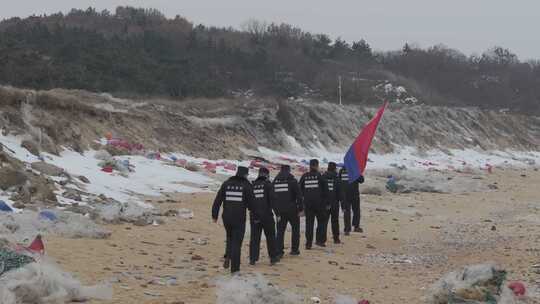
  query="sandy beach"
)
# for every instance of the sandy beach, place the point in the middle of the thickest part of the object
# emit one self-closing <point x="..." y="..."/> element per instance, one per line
<point x="410" y="241"/>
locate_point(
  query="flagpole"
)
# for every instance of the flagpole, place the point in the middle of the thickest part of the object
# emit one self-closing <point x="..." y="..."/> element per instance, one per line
<point x="339" y="90"/>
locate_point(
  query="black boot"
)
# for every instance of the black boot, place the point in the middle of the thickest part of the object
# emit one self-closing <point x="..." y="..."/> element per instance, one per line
<point x="274" y="260"/>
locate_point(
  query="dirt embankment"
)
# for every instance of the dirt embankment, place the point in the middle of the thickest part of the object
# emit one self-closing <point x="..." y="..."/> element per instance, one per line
<point x="220" y="128"/>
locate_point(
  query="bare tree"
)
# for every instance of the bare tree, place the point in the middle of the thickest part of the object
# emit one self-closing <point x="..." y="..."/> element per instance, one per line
<point x="257" y="29"/>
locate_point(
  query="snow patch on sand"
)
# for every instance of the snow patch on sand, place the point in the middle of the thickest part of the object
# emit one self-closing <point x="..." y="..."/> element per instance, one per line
<point x="412" y="158"/>
<point x="150" y="177"/>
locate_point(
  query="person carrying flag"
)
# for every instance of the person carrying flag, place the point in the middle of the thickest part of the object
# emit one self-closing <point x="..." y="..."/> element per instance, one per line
<point x="236" y="196"/>
<point x="353" y="172"/>
<point x="315" y="193"/>
<point x="351" y="201"/>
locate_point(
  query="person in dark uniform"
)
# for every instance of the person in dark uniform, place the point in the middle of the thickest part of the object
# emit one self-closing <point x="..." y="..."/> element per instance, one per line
<point x="236" y="195"/>
<point x="351" y="200"/>
<point x="262" y="218"/>
<point x="335" y="197"/>
<point x="288" y="207"/>
<point x="315" y="193"/>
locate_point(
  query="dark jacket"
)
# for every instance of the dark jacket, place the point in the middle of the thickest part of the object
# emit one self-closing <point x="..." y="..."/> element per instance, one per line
<point x="288" y="199"/>
<point x="334" y="187"/>
<point x="263" y="204"/>
<point x="350" y="191"/>
<point x="314" y="190"/>
<point x="236" y="195"/>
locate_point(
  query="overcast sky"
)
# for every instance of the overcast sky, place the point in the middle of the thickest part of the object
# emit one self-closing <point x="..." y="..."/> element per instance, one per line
<point x="471" y="26"/>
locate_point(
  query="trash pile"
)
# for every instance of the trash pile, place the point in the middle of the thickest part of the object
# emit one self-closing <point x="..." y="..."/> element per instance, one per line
<point x="18" y="227"/>
<point x="435" y="182"/>
<point x="255" y="289"/>
<point x="479" y="284"/>
<point x="10" y="260"/>
<point x="404" y="259"/>
<point x="252" y="289"/>
<point x="119" y="146"/>
<point x="341" y="299"/>
<point x="108" y="163"/>
<point x="26" y="276"/>
<point x="112" y="147"/>
<point x="116" y="213"/>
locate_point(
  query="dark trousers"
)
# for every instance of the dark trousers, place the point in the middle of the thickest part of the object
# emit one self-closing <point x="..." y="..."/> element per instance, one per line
<point x="322" y="222"/>
<point x="257" y="227"/>
<point x="294" y="220"/>
<point x="235" y="237"/>
<point x="356" y="213"/>
<point x="354" y="205"/>
<point x="334" y="216"/>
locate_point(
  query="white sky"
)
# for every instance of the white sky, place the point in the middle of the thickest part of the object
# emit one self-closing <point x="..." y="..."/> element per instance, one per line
<point x="471" y="26"/>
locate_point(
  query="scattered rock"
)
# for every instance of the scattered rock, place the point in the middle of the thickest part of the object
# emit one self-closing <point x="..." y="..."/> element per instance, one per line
<point x="31" y="146"/>
<point x="11" y="178"/>
<point x="47" y="169"/>
<point x="82" y="210"/>
<point x="152" y="293"/>
<point x="372" y="191"/>
<point x="369" y="246"/>
<point x="72" y="195"/>
<point x="493" y="228"/>
<point x="170" y="213"/>
<point x="185" y="213"/>
<point x="84" y="179"/>
<point x="200" y="242"/>
<point x="192" y="167"/>
<point x="334" y="263"/>
<point x="493" y="187"/>
<point x="19" y="205"/>
<point x="381" y="209"/>
<point x="197" y="257"/>
<point x="142" y="222"/>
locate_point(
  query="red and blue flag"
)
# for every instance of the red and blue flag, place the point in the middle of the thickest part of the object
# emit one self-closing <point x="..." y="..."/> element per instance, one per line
<point x="356" y="158"/>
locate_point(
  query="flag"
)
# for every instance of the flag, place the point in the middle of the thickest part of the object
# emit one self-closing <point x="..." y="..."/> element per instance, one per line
<point x="37" y="245"/>
<point x="356" y="158"/>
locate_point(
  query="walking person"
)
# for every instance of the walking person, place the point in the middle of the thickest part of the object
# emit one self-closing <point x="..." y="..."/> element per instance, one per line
<point x="236" y="196"/>
<point x="351" y="201"/>
<point x="288" y="207"/>
<point x="262" y="218"/>
<point x="335" y="197"/>
<point x="315" y="193"/>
